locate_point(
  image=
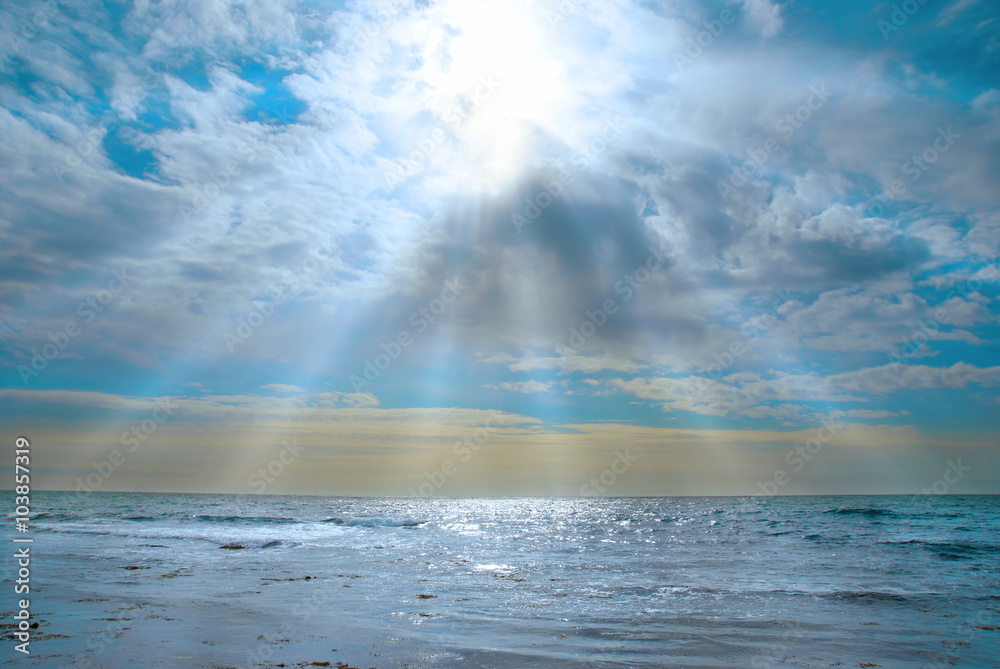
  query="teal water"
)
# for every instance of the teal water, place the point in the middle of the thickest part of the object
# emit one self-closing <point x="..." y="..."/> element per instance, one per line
<point x="890" y="581"/>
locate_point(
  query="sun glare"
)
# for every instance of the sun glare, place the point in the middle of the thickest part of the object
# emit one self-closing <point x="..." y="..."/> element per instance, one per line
<point x="497" y="61"/>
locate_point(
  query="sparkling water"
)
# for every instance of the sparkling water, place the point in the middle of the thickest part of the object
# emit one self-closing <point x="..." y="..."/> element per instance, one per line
<point x="129" y="579"/>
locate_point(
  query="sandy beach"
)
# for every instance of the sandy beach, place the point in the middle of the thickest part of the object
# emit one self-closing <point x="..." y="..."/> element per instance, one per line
<point x="239" y="581"/>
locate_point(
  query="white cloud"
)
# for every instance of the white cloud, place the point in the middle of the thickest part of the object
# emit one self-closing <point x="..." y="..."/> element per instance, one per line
<point x="528" y="387"/>
<point x="764" y="17"/>
<point x="283" y="388"/>
<point x="874" y="413"/>
<point x="954" y="10"/>
<point x="315" y="185"/>
<point x="740" y="396"/>
<point x="567" y="362"/>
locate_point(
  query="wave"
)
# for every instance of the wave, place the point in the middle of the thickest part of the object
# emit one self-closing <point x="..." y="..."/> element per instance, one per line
<point x="862" y="511"/>
<point x="238" y="545"/>
<point x="864" y="596"/>
<point x="45" y="515"/>
<point x="348" y="521"/>
<point x="953" y="550"/>
<point x="839" y="539"/>
<point x="223" y="537"/>
<point x="675" y="590"/>
<point x="245" y="519"/>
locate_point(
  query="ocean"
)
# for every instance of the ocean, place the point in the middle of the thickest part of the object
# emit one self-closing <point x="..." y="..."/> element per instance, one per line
<point x="191" y="580"/>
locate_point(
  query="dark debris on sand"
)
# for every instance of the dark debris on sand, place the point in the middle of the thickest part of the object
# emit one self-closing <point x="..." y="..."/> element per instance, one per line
<point x="339" y="665"/>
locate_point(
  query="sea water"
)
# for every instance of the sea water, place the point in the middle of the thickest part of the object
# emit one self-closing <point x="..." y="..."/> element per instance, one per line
<point x="181" y="580"/>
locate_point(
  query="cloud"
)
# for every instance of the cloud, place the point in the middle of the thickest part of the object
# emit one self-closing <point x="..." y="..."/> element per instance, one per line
<point x="527" y="387"/>
<point x="385" y="451"/>
<point x="234" y="160"/>
<point x="875" y="413"/>
<point x="566" y="362"/>
<point x="652" y="184"/>
<point x="739" y="395"/>
<point x="953" y="10"/>
<point x="283" y="388"/>
<point x="764" y="17"/>
<point x="353" y="400"/>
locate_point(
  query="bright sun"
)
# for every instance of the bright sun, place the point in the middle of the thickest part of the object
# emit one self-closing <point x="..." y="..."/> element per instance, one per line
<point x="505" y="46"/>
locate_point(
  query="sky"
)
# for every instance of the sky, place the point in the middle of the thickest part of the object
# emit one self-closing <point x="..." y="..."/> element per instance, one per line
<point x="538" y="247"/>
